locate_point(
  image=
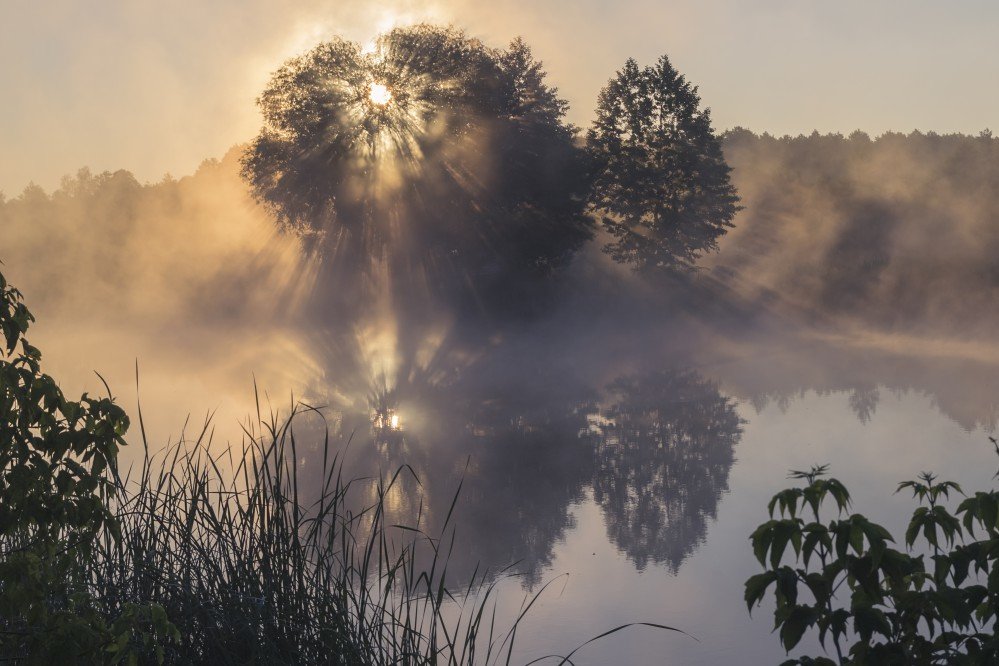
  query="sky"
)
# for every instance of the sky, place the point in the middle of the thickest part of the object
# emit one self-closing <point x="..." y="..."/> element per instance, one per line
<point x="156" y="88"/>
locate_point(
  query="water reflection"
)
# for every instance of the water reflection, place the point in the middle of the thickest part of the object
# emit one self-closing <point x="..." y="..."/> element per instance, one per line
<point x="533" y="419"/>
<point x="663" y="451"/>
<point x="653" y="449"/>
<point x="961" y="379"/>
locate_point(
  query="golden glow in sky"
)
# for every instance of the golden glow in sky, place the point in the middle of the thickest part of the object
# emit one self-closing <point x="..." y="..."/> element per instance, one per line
<point x="380" y="94"/>
<point x="186" y="90"/>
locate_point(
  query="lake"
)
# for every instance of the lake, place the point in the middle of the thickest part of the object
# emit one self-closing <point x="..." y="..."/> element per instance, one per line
<point x="615" y="465"/>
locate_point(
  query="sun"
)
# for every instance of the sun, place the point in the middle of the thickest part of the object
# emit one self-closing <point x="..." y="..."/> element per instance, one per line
<point x="379" y="94"/>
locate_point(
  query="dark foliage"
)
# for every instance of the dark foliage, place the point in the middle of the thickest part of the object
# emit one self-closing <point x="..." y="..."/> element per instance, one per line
<point x="57" y="479"/>
<point x="877" y="604"/>
<point x="466" y="174"/>
<point x="660" y="179"/>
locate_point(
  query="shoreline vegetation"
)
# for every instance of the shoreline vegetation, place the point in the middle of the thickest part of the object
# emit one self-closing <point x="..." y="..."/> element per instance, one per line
<point x="931" y="601"/>
<point x="206" y="554"/>
<point x="186" y="563"/>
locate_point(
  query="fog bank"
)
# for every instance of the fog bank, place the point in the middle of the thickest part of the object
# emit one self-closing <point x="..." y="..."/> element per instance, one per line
<point x="899" y="233"/>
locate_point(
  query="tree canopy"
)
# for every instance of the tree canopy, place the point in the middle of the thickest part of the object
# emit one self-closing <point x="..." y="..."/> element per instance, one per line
<point x="461" y="164"/>
<point x="434" y="152"/>
<point x="660" y="179"/>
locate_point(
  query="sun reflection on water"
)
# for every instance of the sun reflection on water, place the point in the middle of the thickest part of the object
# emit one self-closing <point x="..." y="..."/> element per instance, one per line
<point x="386" y="419"/>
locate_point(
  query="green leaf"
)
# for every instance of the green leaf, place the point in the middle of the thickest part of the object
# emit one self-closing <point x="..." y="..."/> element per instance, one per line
<point x="761" y="539"/>
<point x="794" y="627"/>
<point x="915" y="525"/>
<point x="756" y="588"/>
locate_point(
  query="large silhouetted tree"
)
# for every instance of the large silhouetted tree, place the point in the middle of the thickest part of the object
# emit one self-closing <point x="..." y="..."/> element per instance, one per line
<point x="660" y="181"/>
<point x="467" y="172"/>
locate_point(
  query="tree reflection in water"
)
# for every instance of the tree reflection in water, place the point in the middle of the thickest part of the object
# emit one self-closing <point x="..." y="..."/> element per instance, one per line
<point x="655" y="450"/>
<point x="662" y="454"/>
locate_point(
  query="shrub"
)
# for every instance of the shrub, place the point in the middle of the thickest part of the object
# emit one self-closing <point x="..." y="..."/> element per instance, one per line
<point x="879" y="604"/>
<point x="57" y="480"/>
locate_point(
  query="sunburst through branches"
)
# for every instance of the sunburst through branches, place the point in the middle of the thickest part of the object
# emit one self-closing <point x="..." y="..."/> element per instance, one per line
<point x="446" y="158"/>
<point x="429" y="172"/>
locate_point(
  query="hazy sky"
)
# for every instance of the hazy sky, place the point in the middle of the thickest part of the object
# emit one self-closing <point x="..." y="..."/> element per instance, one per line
<point x="156" y="87"/>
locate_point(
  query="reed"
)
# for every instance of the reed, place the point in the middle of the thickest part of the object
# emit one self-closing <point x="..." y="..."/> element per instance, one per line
<point x="248" y="573"/>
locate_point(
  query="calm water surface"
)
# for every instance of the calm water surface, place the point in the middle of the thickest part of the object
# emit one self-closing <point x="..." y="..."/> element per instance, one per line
<point x="627" y="469"/>
<point x="632" y="487"/>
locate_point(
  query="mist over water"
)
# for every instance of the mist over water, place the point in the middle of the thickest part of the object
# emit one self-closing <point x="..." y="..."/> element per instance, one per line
<point x="603" y="415"/>
<point x="189" y="278"/>
<point x="895" y="233"/>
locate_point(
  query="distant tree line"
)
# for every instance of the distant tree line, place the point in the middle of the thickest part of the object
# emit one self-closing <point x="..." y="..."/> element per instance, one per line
<point x="892" y="231"/>
<point x="197" y="248"/>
